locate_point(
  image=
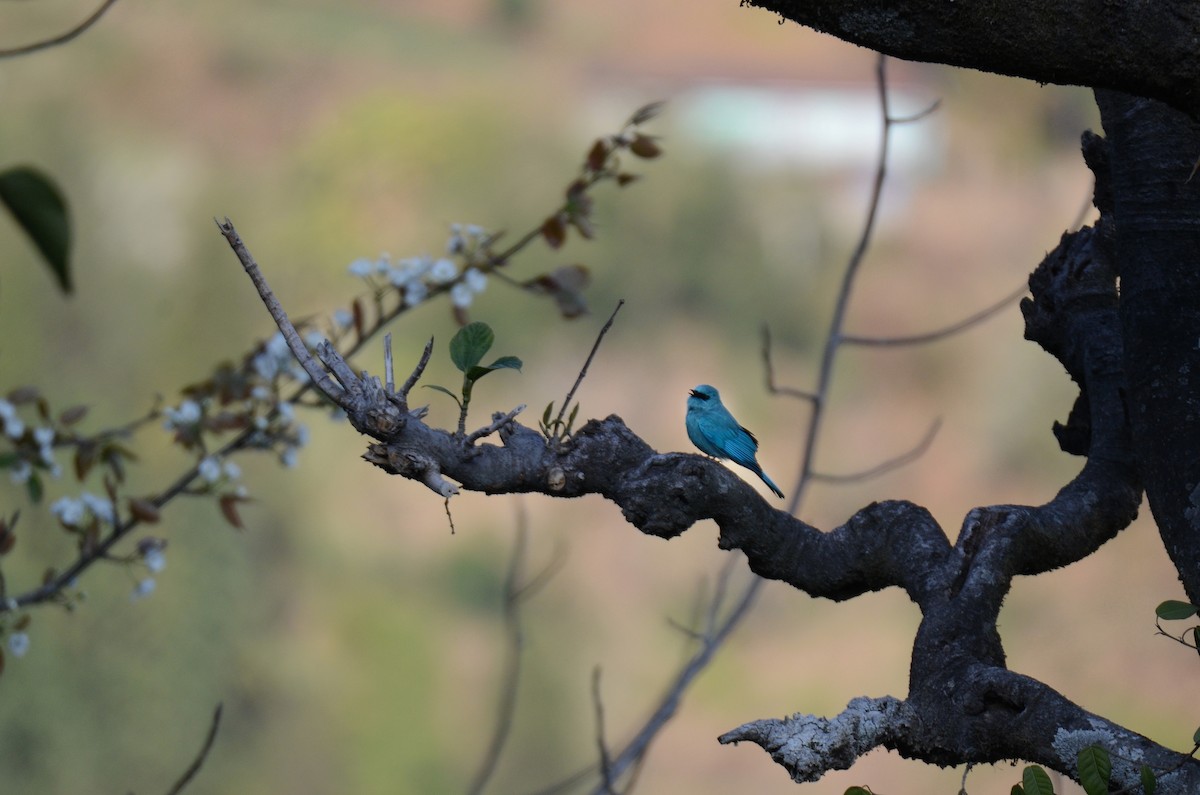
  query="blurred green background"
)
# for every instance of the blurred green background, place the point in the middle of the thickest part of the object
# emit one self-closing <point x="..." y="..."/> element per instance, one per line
<point x="355" y="642"/>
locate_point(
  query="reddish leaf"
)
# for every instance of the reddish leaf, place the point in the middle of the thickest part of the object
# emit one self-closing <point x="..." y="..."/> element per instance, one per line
<point x="22" y="622"/>
<point x="584" y="225"/>
<point x="72" y="415"/>
<point x="554" y="231"/>
<point x="7" y="540"/>
<point x="85" y="459"/>
<point x="228" y="503"/>
<point x="645" y="146"/>
<point x="598" y="154"/>
<point x="359" y="323"/>
<point x="461" y="316"/>
<point x="48" y="576"/>
<point x="144" y="510"/>
<point x="23" y="394"/>
<point x="647" y="112"/>
<point x="624" y="179"/>
<point x="566" y="285"/>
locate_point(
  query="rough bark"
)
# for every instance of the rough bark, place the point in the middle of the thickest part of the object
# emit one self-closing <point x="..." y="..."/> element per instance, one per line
<point x="1142" y="48"/>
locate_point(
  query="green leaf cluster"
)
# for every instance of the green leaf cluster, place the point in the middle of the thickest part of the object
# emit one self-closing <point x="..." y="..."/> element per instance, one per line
<point x="467" y="349"/>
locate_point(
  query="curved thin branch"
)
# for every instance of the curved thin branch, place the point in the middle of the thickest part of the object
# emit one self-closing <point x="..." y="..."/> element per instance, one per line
<point x="198" y="762"/>
<point x="884" y="467"/>
<point x="942" y="333"/>
<point x="63" y="38"/>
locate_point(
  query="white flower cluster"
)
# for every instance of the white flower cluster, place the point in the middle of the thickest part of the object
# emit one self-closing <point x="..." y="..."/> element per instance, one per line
<point x="14" y="428"/>
<point x="276" y="359"/>
<point x="79" y="512"/>
<point x="414" y="276"/>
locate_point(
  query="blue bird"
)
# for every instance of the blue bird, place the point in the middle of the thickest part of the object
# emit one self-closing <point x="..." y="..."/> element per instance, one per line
<point x="713" y="429"/>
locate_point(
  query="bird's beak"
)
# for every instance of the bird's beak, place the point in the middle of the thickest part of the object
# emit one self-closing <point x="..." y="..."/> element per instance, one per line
<point x="693" y="393"/>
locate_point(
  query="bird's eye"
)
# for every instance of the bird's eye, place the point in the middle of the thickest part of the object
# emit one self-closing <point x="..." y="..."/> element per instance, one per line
<point x="700" y="395"/>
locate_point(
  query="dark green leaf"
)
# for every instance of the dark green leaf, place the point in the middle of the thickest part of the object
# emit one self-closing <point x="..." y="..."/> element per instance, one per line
<point x="445" y="391"/>
<point x="1095" y="768"/>
<point x="470" y="344"/>
<point x="1175" y="610"/>
<point x="35" y="488"/>
<point x="1196" y="737"/>
<point x="547" y="412"/>
<point x="11" y="457"/>
<point x="506" y="362"/>
<point x="1017" y="789"/>
<point x="503" y="363"/>
<point x="1149" y="782"/>
<point x="41" y="211"/>
<point x="1036" y="782"/>
<point x="571" y="419"/>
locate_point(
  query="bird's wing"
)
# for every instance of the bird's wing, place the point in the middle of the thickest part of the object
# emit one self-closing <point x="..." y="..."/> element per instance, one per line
<point x="741" y="446"/>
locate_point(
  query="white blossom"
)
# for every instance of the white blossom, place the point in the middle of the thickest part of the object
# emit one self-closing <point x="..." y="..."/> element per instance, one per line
<point x="232" y="470"/>
<point x="361" y="267"/>
<point x="18" y="644"/>
<point x="144" y="588"/>
<point x="475" y="279"/>
<point x="155" y="560"/>
<point x="69" y="512"/>
<point x="209" y="469"/>
<point x="186" y="415"/>
<point x="101" y="508"/>
<point x="344" y="318"/>
<point x="444" y="270"/>
<point x="415" y="293"/>
<point x="461" y="295"/>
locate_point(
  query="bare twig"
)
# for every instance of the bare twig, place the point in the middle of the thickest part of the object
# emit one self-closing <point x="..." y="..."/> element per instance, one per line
<point x="389" y="373"/>
<point x="411" y="381"/>
<point x="606" y="771"/>
<point x="62" y="38"/>
<point x="196" y="764"/>
<point x="769" y="372"/>
<point x="884" y="467"/>
<point x="493" y="426"/>
<point x="942" y="333"/>
<point x="587" y="363"/>
<point x="318" y="375"/>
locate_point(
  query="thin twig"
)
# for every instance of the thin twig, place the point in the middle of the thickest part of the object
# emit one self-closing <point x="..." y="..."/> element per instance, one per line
<point x="511" y="677"/>
<point x="493" y="426"/>
<point x="769" y="371"/>
<point x="884" y="467"/>
<point x="63" y="38"/>
<point x="606" y="773"/>
<point x="411" y="381"/>
<point x="194" y="768"/>
<point x="389" y="373"/>
<point x="942" y="333"/>
<point x="318" y="375"/>
<point x="587" y="363"/>
<point x="837" y="322"/>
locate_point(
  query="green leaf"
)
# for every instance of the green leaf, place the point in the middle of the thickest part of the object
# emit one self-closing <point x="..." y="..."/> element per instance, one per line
<point x="1196" y="737"/>
<point x="546" y="414"/>
<point x="1174" y="610"/>
<point x="445" y="391"/>
<point x="470" y="344"/>
<point x="1017" y="789"/>
<point x="1149" y="782"/>
<point x="858" y="791"/>
<point x="1095" y="768"/>
<point x="503" y="363"/>
<point x="40" y="210"/>
<point x="507" y="363"/>
<point x="1036" y="782"/>
<point x="35" y="488"/>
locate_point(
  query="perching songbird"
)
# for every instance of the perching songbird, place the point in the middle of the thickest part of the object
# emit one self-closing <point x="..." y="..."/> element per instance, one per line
<point x="713" y="429"/>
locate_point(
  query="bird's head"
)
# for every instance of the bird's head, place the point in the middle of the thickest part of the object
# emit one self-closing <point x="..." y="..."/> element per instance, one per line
<point x="703" y="395"/>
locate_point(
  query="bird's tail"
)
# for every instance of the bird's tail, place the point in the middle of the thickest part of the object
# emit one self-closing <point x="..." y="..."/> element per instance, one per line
<point x="770" y="483"/>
